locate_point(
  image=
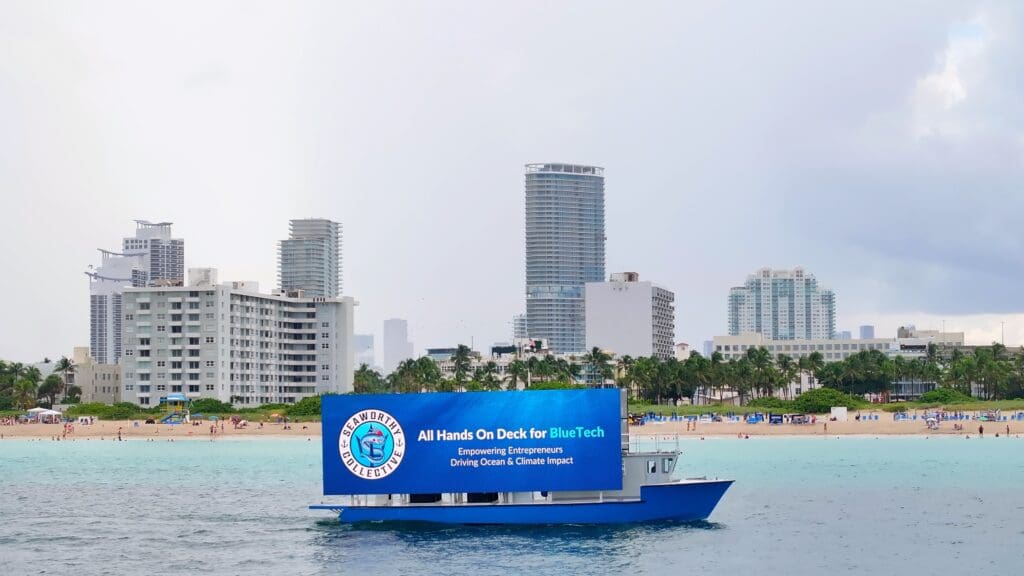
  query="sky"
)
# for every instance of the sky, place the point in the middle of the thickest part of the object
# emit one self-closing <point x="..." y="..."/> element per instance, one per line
<point x="880" y="145"/>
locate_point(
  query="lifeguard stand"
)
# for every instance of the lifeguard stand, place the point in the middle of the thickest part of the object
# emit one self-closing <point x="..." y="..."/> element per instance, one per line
<point x="176" y="405"/>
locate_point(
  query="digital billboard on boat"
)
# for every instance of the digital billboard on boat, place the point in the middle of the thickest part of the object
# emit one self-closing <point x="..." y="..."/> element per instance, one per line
<point x="472" y="442"/>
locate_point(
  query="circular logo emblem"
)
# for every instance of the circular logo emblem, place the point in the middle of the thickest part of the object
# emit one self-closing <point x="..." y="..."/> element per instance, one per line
<point x="371" y="444"/>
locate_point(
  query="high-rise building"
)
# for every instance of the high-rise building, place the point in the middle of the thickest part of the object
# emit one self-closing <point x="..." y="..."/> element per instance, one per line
<point x="363" y="345"/>
<point x="708" y="348"/>
<point x="564" y="250"/>
<point x="310" y="259"/>
<point x="163" y="257"/>
<point x="396" y="343"/>
<point x="867" y="332"/>
<point x="235" y="344"/>
<point x="782" y="305"/>
<point x="149" y="258"/>
<point x="630" y="318"/>
<point x="844" y="335"/>
<point x="519" y="327"/>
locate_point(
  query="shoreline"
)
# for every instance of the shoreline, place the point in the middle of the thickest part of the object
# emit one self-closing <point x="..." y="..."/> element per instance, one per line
<point x="108" y="430"/>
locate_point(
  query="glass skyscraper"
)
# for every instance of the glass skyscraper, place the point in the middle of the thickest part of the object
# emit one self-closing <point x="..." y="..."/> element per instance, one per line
<point x="564" y="250"/>
<point x="310" y="259"/>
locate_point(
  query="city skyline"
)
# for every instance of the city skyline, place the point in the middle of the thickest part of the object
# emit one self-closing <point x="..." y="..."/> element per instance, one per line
<point x="892" y="175"/>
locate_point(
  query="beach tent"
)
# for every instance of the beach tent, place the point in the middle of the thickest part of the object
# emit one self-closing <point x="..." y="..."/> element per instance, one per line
<point x="839" y="413"/>
<point x="38" y="410"/>
<point x="49" y="416"/>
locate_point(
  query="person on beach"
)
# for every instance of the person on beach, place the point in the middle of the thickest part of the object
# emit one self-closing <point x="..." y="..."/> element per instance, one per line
<point x="981" y="430"/>
<point x="825" y="424"/>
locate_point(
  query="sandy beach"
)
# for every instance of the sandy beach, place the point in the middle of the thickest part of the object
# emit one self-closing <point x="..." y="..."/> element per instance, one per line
<point x="884" y="426"/>
<point x="134" y="430"/>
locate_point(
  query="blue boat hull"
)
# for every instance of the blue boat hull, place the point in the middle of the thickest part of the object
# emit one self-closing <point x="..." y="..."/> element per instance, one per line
<point x="683" y="502"/>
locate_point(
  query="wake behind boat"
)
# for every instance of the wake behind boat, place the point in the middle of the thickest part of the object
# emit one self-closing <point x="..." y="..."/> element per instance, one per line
<point x="536" y="457"/>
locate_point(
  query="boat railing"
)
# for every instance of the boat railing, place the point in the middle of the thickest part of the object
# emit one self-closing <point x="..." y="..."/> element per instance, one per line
<point x="654" y="442"/>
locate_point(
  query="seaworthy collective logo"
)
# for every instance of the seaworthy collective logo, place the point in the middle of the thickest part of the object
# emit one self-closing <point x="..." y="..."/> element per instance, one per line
<point x="371" y="444"/>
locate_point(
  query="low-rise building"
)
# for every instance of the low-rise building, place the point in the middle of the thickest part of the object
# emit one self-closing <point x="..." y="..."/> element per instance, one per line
<point x="98" y="382"/>
<point x="232" y="343"/>
<point x="735" y="347"/>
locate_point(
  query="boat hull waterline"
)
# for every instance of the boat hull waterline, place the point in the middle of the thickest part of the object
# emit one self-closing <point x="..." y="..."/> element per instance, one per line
<point x="685" y="501"/>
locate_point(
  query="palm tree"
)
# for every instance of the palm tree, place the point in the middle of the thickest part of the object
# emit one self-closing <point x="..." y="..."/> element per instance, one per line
<point x="814" y="363"/>
<point x="367" y="381"/>
<point x="517" y="372"/>
<point x="462" y="360"/>
<point x="50" y="388"/>
<point x="788" y="371"/>
<point x="487" y="376"/>
<point x="761" y="360"/>
<point x="597" y="362"/>
<point x="25" y="393"/>
<point x="66" y="369"/>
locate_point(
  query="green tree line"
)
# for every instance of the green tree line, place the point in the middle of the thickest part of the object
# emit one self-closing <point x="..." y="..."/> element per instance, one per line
<point x="23" y="386"/>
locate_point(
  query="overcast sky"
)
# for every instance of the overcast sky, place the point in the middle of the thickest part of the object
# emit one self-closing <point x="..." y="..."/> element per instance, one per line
<point x="880" y="145"/>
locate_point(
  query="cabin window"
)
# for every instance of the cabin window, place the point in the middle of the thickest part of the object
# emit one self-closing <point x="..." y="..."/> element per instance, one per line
<point x="652" y="466"/>
<point x="666" y="465"/>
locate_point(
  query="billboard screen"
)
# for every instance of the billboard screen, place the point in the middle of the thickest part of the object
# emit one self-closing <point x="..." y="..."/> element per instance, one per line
<point x="472" y="442"/>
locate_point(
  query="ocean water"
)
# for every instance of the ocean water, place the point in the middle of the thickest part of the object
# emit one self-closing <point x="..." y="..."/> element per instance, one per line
<point x="850" y="505"/>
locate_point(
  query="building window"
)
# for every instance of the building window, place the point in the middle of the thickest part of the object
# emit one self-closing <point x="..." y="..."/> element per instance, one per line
<point x="325" y="324"/>
<point x="129" y="317"/>
<point x="144" y="401"/>
<point x="161" y="328"/>
<point x="209" y="339"/>
<point x="143" y="305"/>
<point x="325" y="345"/>
<point x="129" y="352"/>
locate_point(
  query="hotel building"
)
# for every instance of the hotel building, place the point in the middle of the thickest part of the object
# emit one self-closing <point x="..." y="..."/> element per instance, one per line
<point x="782" y="305"/>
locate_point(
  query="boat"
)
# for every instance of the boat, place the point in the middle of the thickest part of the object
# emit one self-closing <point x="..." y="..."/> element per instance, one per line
<point x="388" y="460"/>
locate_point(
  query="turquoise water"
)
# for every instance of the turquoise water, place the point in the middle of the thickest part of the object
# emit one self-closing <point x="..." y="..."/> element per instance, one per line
<point x="799" y="506"/>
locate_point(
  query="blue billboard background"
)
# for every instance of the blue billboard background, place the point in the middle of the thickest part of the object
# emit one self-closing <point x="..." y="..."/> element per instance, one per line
<point x="472" y="442"/>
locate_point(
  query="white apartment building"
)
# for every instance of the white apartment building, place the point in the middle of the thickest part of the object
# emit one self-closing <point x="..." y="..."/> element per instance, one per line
<point x="735" y="347"/>
<point x="630" y="318"/>
<point x="782" y="305"/>
<point x="235" y="344"/>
